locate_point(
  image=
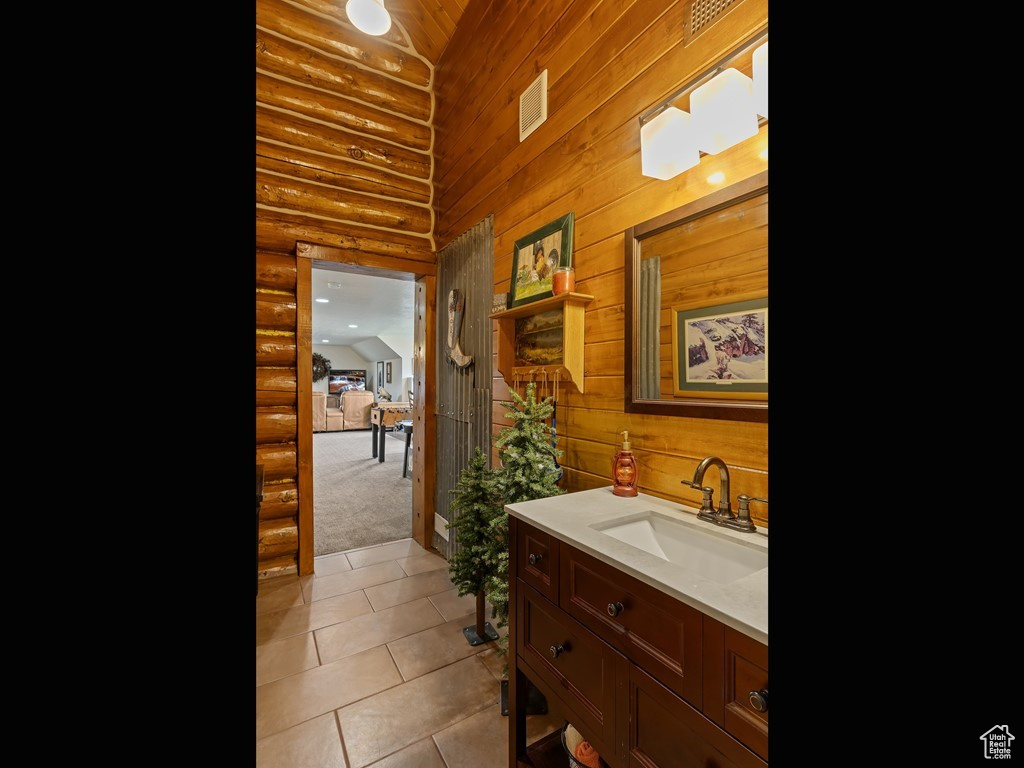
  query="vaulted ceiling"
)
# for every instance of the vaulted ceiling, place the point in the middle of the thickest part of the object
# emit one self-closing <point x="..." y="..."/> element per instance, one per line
<point x="430" y="23"/>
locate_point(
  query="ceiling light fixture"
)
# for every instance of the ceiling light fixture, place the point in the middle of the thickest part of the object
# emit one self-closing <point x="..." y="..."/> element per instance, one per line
<point x="724" y="108"/>
<point x="353" y="326"/>
<point x="323" y="301"/>
<point x="325" y="341"/>
<point x="370" y="16"/>
<point x="334" y="285"/>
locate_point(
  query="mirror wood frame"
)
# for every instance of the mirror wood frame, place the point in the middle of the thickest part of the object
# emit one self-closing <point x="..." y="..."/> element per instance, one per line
<point x="735" y="410"/>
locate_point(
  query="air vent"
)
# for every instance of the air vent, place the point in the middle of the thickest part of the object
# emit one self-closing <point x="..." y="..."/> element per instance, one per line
<point x="703" y="12"/>
<point x="533" y="106"/>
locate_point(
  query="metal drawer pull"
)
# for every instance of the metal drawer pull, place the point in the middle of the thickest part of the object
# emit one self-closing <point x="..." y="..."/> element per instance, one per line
<point x="614" y="609"/>
<point x="535" y="558"/>
<point x="759" y="700"/>
<point x="557" y="650"/>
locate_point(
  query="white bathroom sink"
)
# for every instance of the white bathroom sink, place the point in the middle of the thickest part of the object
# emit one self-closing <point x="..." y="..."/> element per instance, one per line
<point x="715" y="557"/>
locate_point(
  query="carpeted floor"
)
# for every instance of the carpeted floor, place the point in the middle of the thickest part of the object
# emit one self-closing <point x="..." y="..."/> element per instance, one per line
<point x="357" y="501"/>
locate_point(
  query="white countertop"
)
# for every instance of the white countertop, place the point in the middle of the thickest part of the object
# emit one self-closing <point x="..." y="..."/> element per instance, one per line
<point x="741" y="604"/>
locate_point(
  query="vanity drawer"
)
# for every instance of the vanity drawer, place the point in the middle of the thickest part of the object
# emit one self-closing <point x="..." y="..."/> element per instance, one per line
<point x="582" y="671"/>
<point x="654" y="630"/>
<point x="537" y="554"/>
<point x="666" y="732"/>
<point x="735" y="666"/>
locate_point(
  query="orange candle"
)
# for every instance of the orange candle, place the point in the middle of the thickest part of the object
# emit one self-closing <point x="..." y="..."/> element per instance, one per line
<point x="563" y="280"/>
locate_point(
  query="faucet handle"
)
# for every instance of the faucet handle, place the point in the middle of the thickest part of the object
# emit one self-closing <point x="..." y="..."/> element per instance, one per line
<point x="743" y="521"/>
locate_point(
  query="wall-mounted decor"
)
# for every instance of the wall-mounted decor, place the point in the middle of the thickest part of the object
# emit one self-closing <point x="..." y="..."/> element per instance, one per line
<point x="389" y="373"/>
<point x="380" y="372"/>
<point x="456" y="316"/>
<point x="535" y="258"/>
<point x="344" y="380"/>
<point x="721" y="349"/>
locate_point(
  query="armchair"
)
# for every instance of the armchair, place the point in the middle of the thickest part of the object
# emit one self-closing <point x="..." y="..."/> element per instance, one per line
<point x="353" y="413"/>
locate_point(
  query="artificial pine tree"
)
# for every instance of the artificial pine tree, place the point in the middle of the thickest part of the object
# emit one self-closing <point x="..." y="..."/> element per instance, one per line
<point x="528" y="471"/>
<point x="474" y="506"/>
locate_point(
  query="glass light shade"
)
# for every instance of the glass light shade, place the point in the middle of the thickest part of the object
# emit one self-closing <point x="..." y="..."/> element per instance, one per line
<point x="761" y="80"/>
<point x="723" y="111"/>
<point x="369" y="15"/>
<point x="667" y="146"/>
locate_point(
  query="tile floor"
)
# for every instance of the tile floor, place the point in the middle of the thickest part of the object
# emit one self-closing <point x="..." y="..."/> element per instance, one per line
<point x="364" y="664"/>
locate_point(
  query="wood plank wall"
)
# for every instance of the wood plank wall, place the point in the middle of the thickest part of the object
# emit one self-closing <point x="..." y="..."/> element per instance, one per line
<point x="343" y="158"/>
<point x="608" y="62"/>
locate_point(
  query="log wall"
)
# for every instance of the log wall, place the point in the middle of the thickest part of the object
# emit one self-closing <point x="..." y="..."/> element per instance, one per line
<point x="608" y="62"/>
<point x="343" y="158"/>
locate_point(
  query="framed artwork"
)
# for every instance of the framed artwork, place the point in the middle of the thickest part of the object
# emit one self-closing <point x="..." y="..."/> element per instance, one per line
<point x="343" y="380"/>
<point x="380" y="373"/>
<point x="721" y="350"/>
<point x="534" y="260"/>
<point x="389" y="373"/>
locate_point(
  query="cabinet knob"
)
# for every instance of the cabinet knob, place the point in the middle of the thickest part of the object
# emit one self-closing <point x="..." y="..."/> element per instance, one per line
<point x="759" y="700"/>
<point x="557" y="650"/>
<point x="614" y="609"/>
<point x="535" y="558"/>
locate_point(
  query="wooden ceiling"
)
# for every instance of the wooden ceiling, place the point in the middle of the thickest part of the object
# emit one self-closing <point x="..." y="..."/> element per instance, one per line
<point x="430" y="23"/>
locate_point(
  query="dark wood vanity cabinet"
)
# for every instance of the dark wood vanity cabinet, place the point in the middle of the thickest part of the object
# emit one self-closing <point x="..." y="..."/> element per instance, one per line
<point x="650" y="681"/>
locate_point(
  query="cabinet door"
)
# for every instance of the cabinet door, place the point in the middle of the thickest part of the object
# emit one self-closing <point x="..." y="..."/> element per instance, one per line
<point x="666" y="732"/>
<point x="566" y="658"/>
<point x="537" y="555"/>
<point x="654" y="630"/>
<point x="735" y="666"/>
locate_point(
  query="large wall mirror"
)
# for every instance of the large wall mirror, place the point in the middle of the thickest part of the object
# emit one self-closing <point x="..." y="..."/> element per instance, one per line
<point x="697" y="308"/>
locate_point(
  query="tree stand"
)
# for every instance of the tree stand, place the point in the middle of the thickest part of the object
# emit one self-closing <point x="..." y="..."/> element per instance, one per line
<point x="482" y="631"/>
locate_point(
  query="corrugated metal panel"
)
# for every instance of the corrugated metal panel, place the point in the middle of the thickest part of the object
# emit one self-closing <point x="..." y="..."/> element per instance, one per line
<point x="463" y="398"/>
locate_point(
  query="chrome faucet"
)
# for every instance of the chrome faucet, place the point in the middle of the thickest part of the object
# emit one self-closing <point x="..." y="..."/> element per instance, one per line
<point x="707" y="510"/>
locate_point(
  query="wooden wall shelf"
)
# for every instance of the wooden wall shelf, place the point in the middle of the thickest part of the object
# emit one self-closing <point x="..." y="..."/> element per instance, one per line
<point x="573" y="307"/>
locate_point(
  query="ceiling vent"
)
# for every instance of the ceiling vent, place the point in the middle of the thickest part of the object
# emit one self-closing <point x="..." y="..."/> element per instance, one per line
<point x="533" y="106"/>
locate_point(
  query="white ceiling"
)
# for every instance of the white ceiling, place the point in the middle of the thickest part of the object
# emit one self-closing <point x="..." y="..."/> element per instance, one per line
<point x="380" y="306"/>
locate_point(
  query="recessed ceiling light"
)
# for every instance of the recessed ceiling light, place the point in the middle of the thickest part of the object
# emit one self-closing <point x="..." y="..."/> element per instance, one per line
<point x="334" y="285"/>
<point x="325" y="341"/>
<point x="716" y="178"/>
<point x="323" y="301"/>
<point x="353" y="326"/>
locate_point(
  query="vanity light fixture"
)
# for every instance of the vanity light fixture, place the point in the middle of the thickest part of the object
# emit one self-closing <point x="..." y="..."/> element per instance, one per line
<point x="668" y="144"/>
<point x="723" y="112"/>
<point x="761" y="80"/>
<point x="370" y="16"/>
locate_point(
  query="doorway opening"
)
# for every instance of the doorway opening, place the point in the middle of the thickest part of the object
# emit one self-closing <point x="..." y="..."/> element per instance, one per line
<point x="362" y="326"/>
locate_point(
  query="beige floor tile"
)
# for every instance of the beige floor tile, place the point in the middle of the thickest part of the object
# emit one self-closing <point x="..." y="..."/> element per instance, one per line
<point x="422" y="754"/>
<point x="295" y="699"/>
<point x="315" y="743"/>
<point x="305" y="618"/>
<point x="482" y="739"/>
<point x="451" y="606"/>
<point x="381" y="724"/>
<point x="351" y="581"/>
<point x="433" y="648"/>
<point x="279" y="597"/>
<point x="281" y="658"/>
<point x="373" y="629"/>
<point x="393" y="551"/>
<point x="422" y="563"/>
<point x="328" y="564"/>
<point x="494" y="661"/>
<point x="408" y="589"/>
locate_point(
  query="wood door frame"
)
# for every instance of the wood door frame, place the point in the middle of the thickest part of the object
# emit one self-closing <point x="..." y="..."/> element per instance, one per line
<point x="424" y="344"/>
